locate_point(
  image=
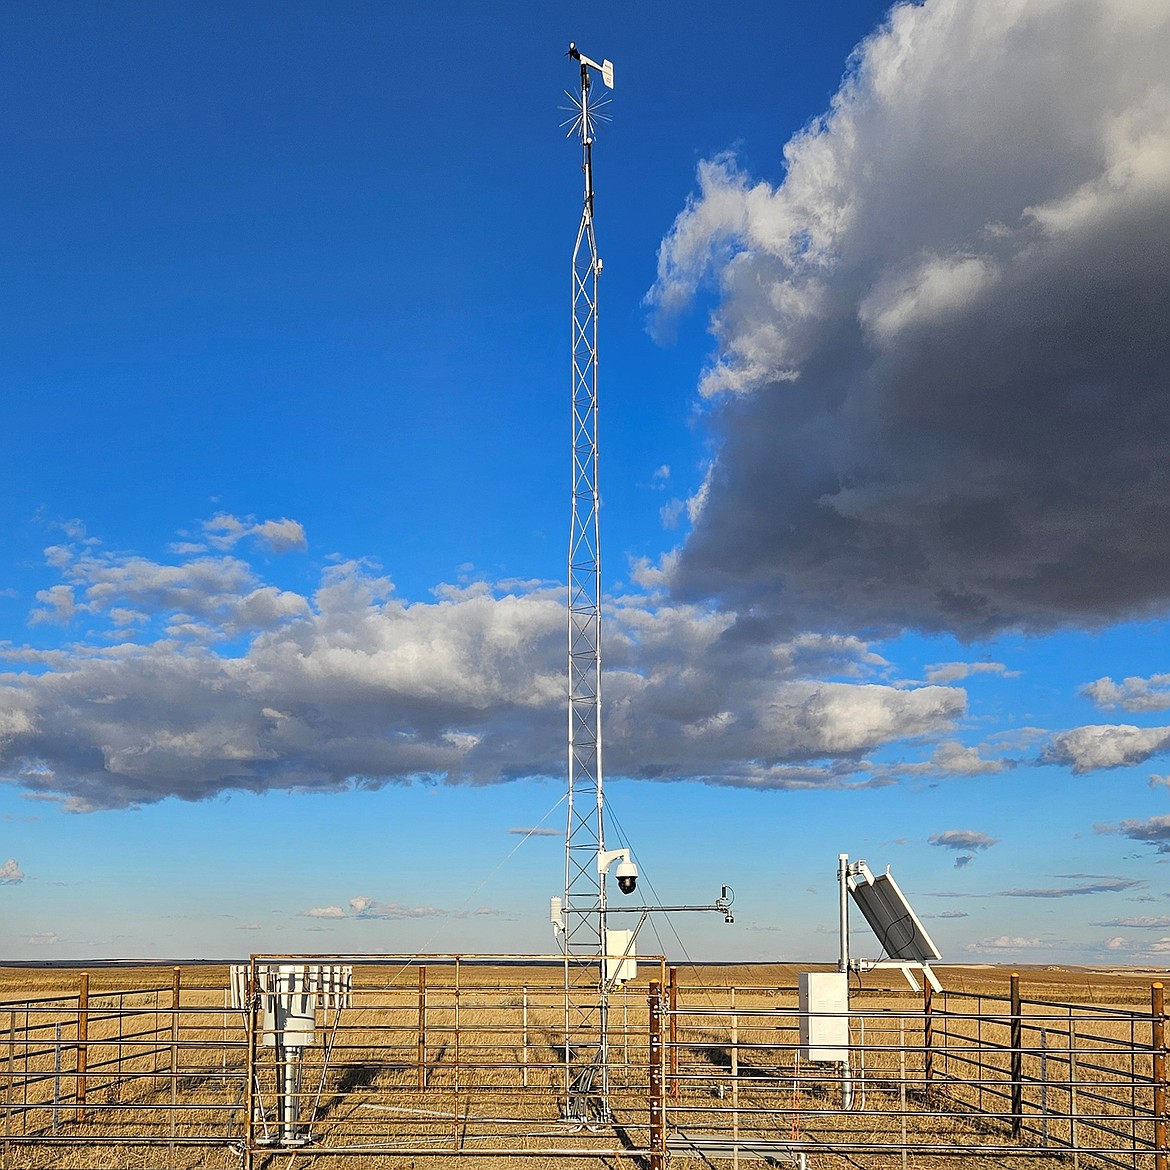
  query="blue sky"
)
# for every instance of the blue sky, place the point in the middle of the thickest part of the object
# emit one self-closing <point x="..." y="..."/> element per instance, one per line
<point x="285" y="479"/>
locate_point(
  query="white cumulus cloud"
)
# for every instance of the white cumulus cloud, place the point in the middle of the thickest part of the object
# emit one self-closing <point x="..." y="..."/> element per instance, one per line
<point x="1131" y="694"/>
<point x="224" y="531"/>
<point x="964" y="840"/>
<point x="1095" y="746"/>
<point x="949" y="672"/>
<point x="1008" y="942"/>
<point x="350" y="685"/>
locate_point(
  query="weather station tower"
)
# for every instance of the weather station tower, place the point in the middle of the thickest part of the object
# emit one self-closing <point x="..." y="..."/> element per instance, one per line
<point x="582" y="912"/>
<point x="597" y="960"/>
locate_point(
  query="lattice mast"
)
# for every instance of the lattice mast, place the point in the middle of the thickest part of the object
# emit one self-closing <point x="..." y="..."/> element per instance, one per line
<point x="584" y="901"/>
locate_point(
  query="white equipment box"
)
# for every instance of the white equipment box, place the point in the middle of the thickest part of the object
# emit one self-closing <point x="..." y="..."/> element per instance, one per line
<point x="621" y="963"/>
<point x="824" y="1016"/>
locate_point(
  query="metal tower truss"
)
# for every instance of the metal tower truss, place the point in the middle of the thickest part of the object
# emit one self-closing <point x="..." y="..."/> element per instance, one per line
<point x="580" y="916"/>
<point x="583" y="908"/>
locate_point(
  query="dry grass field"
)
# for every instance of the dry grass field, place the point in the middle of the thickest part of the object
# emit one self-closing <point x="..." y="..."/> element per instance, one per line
<point x="1080" y="984"/>
<point x="167" y="1090"/>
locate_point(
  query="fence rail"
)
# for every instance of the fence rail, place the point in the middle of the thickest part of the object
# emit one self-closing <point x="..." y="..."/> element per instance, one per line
<point x="436" y="1058"/>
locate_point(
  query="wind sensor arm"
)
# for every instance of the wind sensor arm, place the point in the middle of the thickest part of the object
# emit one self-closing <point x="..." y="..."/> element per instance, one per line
<point x="605" y="68"/>
<point x="721" y="905"/>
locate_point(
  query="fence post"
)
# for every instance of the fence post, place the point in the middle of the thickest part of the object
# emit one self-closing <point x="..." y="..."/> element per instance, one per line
<point x="56" y="1075"/>
<point x="251" y="1100"/>
<point x="524" y="1004"/>
<point x="673" y="1004"/>
<point x="457" y="993"/>
<point x="1017" y="1057"/>
<point x="657" y="1099"/>
<point x="422" y="1027"/>
<point x="902" y="1104"/>
<point x="927" y="1035"/>
<point x="176" y="989"/>
<point x="734" y="1080"/>
<point x="1158" y="1024"/>
<point x="625" y="1035"/>
<point x="117" y="1084"/>
<point x="11" y="1077"/>
<point x="176" y="986"/>
<point x="1044" y="1086"/>
<point x="1074" y="1137"/>
<point x="82" y="1043"/>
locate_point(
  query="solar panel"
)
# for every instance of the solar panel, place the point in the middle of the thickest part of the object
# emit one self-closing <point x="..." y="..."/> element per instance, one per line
<point x="890" y="916"/>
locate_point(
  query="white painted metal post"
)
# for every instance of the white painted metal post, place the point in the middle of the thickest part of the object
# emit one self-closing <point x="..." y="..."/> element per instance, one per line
<point x="734" y="1083"/>
<point x="843" y="965"/>
<point x="843" y="909"/>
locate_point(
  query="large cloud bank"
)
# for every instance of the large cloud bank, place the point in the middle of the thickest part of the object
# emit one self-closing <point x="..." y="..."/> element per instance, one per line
<point x="940" y="399"/>
<point x="943" y="342"/>
<point x="195" y="677"/>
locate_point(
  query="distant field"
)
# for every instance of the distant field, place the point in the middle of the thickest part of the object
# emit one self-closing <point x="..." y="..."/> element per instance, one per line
<point x="1117" y="985"/>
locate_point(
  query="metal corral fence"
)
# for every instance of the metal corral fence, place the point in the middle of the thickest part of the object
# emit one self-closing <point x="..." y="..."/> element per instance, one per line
<point x="425" y="1058"/>
<point x="945" y="1077"/>
<point x="1077" y="1077"/>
